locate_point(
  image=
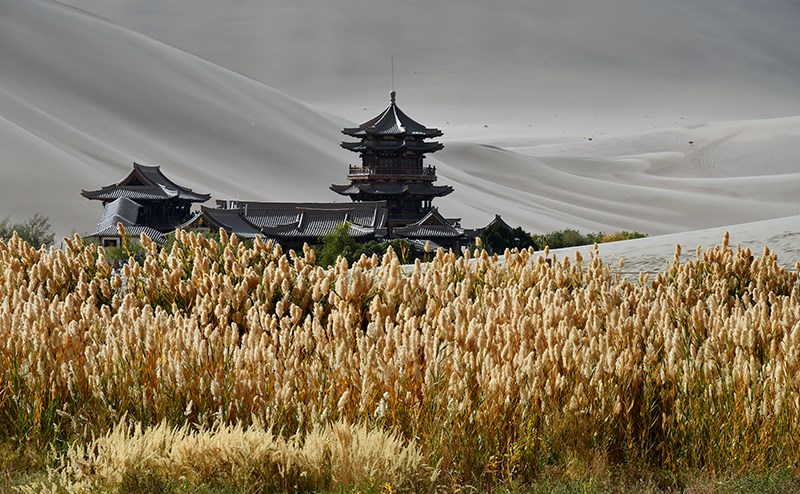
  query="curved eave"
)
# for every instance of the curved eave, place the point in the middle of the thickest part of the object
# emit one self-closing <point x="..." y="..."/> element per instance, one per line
<point x="431" y="190"/>
<point x="424" y="147"/>
<point x="413" y="146"/>
<point x="195" y="197"/>
<point x="413" y="190"/>
<point x="112" y="194"/>
<point x="427" y="232"/>
<point x="154" y="175"/>
<point x="144" y="193"/>
<point x="392" y="121"/>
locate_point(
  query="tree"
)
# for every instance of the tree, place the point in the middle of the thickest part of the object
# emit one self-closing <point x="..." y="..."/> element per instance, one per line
<point x="496" y="238"/>
<point x="37" y="230"/>
<point x="338" y="243"/>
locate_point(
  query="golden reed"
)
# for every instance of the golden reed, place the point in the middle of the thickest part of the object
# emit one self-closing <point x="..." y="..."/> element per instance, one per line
<point x="492" y="369"/>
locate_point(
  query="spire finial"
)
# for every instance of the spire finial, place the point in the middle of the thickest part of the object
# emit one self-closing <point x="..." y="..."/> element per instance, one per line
<point x="393" y="95"/>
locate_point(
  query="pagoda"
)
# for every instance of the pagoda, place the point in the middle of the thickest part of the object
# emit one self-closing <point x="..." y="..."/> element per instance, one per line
<point x="392" y="147"/>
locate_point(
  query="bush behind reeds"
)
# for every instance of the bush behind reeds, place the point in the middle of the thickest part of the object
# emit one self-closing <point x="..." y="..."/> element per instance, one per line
<point x="495" y="371"/>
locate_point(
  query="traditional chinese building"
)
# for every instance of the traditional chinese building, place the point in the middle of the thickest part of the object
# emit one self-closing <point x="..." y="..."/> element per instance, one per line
<point x="145" y="200"/>
<point x="392" y="147"/>
<point x="391" y="196"/>
<point x="292" y="224"/>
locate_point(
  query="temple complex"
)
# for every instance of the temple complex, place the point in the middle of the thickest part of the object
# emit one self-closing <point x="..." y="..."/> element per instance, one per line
<point x="391" y="193"/>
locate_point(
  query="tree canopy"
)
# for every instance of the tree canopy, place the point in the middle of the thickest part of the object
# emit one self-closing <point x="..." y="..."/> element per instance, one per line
<point x="36" y="230"/>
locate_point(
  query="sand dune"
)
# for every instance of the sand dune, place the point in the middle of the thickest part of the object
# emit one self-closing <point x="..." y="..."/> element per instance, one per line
<point x="653" y="254"/>
<point x="733" y="172"/>
<point x="551" y="65"/>
<point x="82" y="97"/>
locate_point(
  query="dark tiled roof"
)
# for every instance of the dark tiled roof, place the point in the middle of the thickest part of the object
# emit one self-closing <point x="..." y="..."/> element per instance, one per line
<point x="424" y="147"/>
<point x="313" y="225"/>
<point x="392" y="121"/>
<point x="295" y="221"/>
<point x="271" y="214"/>
<point x="392" y="145"/>
<point x="140" y="192"/>
<point x="231" y="220"/>
<point x="425" y="231"/>
<point x="145" y="183"/>
<point x="133" y="231"/>
<point x="393" y="189"/>
<point x="497" y="221"/>
<point x="123" y="210"/>
<point x="432" y="225"/>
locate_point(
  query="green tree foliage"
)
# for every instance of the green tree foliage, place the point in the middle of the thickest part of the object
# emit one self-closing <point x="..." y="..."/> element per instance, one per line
<point x="36" y="230"/>
<point x="130" y="247"/>
<point x="623" y="235"/>
<point x="340" y="243"/>
<point x="497" y="238"/>
<point x="572" y="238"/>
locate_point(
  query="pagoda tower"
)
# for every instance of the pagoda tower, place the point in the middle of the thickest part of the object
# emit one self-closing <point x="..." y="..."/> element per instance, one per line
<point x="392" y="147"/>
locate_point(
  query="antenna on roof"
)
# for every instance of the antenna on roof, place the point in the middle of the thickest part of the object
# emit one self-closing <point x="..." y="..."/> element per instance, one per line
<point x="392" y="94"/>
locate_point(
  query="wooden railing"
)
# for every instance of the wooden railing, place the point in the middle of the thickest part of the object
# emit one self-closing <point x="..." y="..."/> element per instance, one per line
<point x="360" y="171"/>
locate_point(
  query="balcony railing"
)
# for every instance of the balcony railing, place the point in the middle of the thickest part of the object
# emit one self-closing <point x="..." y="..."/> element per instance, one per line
<point x="360" y="171"/>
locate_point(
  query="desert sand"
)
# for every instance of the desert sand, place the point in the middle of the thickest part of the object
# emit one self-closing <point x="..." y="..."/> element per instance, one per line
<point x="664" y="119"/>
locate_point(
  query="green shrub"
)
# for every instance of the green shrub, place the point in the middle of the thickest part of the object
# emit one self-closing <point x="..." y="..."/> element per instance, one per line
<point x="497" y="238"/>
<point x="572" y="238"/>
<point x="340" y="243"/>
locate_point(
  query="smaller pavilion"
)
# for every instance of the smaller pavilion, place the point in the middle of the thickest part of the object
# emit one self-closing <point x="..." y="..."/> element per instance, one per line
<point x="144" y="200"/>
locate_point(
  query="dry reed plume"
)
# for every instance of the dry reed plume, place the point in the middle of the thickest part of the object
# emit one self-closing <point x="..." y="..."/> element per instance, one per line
<point x="249" y="459"/>
<point x="493" y="370"/>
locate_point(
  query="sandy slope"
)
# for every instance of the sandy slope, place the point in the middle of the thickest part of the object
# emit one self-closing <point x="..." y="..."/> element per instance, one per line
<point x="781" y="235"/>
<point x="81" y="98"/>
<point x="547" y="64"/>
<point x="659" y="182"/>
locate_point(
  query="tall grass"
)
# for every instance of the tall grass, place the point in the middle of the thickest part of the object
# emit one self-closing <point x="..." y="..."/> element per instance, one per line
<point x="495" y="371"/>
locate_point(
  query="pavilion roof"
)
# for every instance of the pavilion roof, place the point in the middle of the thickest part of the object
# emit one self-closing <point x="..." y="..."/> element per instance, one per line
<point x="293" y="221"/>
<point x="230" y="220"/>
<point x="393" y="189"/>
<point x="145" y="183"/>
<point x="122" y="210"/>
<point x="313" y="224"/>
<point x="392" y="121"/>
<point x="370" y="214"/>
<point x="498" y="220"/>
<point x="393" y="145"/>
<point x="432" y="225"/>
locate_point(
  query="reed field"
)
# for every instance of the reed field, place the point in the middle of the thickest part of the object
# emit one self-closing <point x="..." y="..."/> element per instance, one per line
<point x="218" y="362"/>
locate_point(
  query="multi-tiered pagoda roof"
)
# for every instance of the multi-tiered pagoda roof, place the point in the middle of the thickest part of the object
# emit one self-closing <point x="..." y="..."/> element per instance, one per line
<point x="392" y="147"/>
